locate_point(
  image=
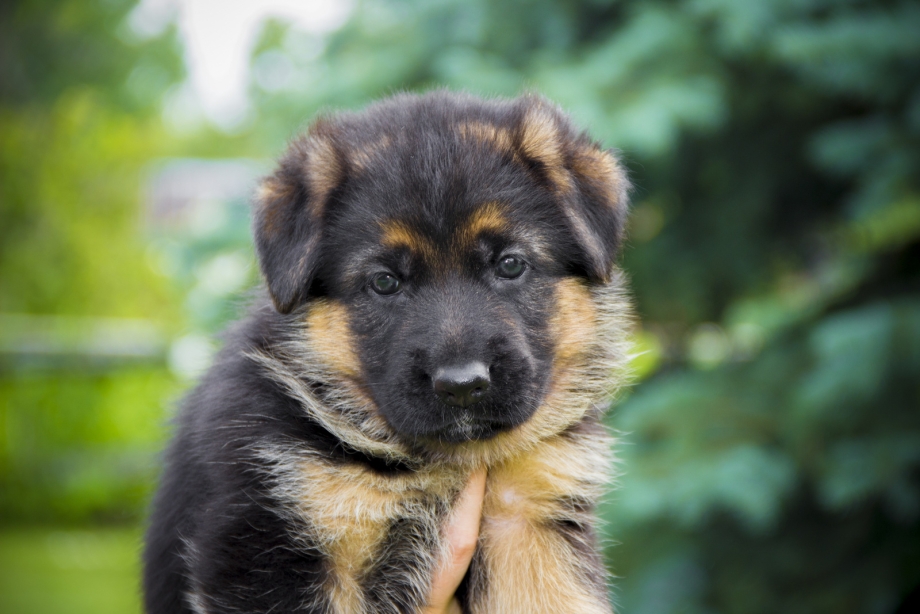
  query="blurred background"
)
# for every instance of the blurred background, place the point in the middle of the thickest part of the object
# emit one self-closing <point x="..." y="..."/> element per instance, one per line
<point x="770" y="446"/>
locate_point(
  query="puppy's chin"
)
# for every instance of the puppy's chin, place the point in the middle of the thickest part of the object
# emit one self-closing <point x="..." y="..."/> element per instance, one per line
<point x="466" y="428"/>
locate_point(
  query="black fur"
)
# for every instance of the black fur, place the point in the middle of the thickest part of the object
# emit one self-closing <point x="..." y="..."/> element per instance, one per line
<point x="212" y="516"/>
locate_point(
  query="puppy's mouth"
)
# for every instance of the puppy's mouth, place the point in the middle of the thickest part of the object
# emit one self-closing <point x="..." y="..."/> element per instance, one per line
<point x="468" y="428"/>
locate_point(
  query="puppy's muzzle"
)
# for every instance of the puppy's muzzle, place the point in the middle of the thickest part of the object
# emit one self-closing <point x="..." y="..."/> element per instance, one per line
<point x="463" y="385"/>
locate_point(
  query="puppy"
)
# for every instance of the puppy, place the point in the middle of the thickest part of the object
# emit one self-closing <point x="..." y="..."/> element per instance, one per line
<point x="443" y="298"/>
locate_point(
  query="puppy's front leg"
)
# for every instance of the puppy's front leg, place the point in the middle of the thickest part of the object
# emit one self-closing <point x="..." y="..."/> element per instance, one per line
<point x="538" y="550"/>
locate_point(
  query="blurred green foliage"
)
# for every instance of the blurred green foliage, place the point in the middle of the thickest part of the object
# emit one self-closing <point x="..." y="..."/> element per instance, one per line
<point x="55" y="571"/>
<point x="771" y="445"/>
<point x="77" y="438"/>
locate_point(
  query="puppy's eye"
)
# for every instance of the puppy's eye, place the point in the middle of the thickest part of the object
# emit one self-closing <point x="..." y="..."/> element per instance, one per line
<point x="385" y="284"/>
<point x="509" y="267"/>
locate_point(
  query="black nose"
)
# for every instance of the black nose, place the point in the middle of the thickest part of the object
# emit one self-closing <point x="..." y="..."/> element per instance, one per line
<point x="462" y="386"/>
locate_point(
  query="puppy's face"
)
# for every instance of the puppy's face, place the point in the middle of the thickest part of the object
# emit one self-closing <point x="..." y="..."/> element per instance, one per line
<point x="449" y="303"/>
<point x="452" y="240"/>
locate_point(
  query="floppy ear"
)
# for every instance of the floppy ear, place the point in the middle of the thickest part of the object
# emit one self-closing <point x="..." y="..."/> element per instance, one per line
<point x="589" y="182"/>
<point x="288" y="218"/>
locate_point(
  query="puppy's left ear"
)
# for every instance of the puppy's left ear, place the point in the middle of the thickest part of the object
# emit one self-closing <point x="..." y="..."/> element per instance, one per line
<point x="589" y="182"/>
<point x="288" y="217"/>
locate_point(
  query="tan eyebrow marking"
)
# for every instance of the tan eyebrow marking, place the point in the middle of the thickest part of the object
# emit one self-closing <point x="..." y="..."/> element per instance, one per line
<point x="398" y="234"/>
<point x="489" y="217"/>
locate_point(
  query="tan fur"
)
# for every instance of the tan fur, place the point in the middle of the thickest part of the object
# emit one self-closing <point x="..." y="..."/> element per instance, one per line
<point x="351" y="508"/>
<point x="540" y="141"/>
<point x="528" y="486"/>
<point x="364" y="157"/>
<point x="269" y="193"/>
<point x="488" y="134"/>
<point x="270" y="189"/>
<point x="492" y="217"/>
<point x="525" y="495"/>
<point x="574" y="322"/>
<point x="397" y="234"/>
<point x="489" y="217"/>
<point x="331" y="338"/>
<point x="588" y="239"/>
<point x="603" y="170"/>
<point x="323" y="170"/>
<point x="598" y="166"/>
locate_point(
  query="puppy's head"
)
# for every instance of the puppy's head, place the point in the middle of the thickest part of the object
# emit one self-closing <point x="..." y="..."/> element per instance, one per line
<point x="446" y="253"/>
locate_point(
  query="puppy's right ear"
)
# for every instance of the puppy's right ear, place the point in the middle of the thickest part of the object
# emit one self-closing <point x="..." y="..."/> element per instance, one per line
<point x="288" y="217"/>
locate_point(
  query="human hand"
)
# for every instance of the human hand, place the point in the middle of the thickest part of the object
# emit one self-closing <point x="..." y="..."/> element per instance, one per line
<point x="460" y="535"/>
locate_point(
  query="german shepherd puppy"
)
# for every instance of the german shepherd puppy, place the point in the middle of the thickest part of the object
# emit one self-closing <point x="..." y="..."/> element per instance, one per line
<point x="443" y="298"/>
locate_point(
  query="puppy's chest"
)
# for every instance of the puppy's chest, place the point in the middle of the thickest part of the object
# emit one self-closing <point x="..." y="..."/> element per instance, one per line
<point x="352" y="510"/>
<point x="555" y="481"/>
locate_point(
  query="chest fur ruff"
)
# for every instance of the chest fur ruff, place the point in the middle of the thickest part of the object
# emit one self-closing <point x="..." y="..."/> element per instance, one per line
<point x="537" y="520"/>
